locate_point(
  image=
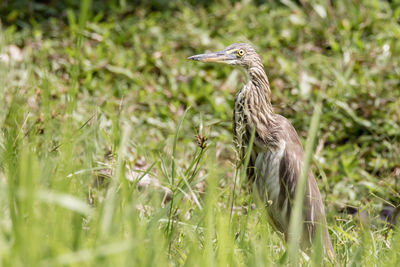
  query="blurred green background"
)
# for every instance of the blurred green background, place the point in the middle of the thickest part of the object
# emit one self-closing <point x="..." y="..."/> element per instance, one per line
<point x="101" y="115"/>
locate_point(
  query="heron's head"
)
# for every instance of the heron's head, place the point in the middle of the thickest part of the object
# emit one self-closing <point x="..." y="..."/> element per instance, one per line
<point x="241" y="54"/>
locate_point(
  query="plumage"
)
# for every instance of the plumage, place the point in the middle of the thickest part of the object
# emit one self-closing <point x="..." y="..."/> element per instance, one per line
<point x="277" y="155"/>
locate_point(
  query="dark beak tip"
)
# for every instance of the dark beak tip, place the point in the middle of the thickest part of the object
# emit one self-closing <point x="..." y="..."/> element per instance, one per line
<point x="192" y="58"/>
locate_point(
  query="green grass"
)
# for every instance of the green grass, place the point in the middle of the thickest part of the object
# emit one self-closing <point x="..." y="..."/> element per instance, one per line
<point x="98" y="104"/>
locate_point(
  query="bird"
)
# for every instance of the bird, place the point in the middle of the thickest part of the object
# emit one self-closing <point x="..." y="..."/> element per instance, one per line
<point x="277" y="156"/>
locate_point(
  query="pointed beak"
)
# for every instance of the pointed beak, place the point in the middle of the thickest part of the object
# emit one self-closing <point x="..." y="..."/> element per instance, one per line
<point x="220" y="57"/>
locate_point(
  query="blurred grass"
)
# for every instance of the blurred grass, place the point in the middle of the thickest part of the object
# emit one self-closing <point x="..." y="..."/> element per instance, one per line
<point x="91" y="100"/>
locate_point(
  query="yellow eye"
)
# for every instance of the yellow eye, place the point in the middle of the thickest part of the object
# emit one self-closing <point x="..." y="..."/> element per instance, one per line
<point x="240" y="52"/>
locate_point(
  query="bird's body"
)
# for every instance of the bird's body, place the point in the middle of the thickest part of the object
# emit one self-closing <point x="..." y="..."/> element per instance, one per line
<point x="277" y="156"/>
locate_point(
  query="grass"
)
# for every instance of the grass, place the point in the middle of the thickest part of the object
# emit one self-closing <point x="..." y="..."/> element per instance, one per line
<point x="93" y="106"/>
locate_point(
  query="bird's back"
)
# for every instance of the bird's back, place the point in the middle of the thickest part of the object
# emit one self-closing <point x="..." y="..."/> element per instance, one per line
<point x="290" y="167"/>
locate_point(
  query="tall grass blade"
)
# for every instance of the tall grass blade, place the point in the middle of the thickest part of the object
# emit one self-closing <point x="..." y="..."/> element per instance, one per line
<point x="296" y="220"/>
<point x="244" y="169"/>
<point x="173" y="173"/>
<point x="110" y="200"/>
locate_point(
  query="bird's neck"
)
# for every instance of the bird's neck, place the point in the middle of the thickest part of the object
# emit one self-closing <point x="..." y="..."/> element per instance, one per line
<point x="259" y="92"/>
<point x="259" y="107"/>
<point x="260" y="84"/>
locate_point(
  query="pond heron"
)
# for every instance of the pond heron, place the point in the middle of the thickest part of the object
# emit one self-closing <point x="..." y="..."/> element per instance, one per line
<point x="277" y="156"/>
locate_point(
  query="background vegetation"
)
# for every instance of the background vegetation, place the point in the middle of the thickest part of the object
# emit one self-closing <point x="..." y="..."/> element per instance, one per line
<point x="114" y="149"/>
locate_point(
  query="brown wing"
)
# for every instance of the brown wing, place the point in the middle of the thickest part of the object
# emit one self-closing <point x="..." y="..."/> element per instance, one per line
<point x="292" y="159"/>
<point x="289" y="173"/>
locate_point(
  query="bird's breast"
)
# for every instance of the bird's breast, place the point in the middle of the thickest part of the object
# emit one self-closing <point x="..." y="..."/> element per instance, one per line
<point x="265" y="160"/>
<point x="269" y="187"/>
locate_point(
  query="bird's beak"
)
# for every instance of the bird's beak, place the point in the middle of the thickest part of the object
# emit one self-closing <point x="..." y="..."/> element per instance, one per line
<point x="220" y="57"/>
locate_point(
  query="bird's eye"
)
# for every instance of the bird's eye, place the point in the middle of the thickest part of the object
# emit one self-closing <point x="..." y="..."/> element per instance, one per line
<point x="240" y="52"/>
